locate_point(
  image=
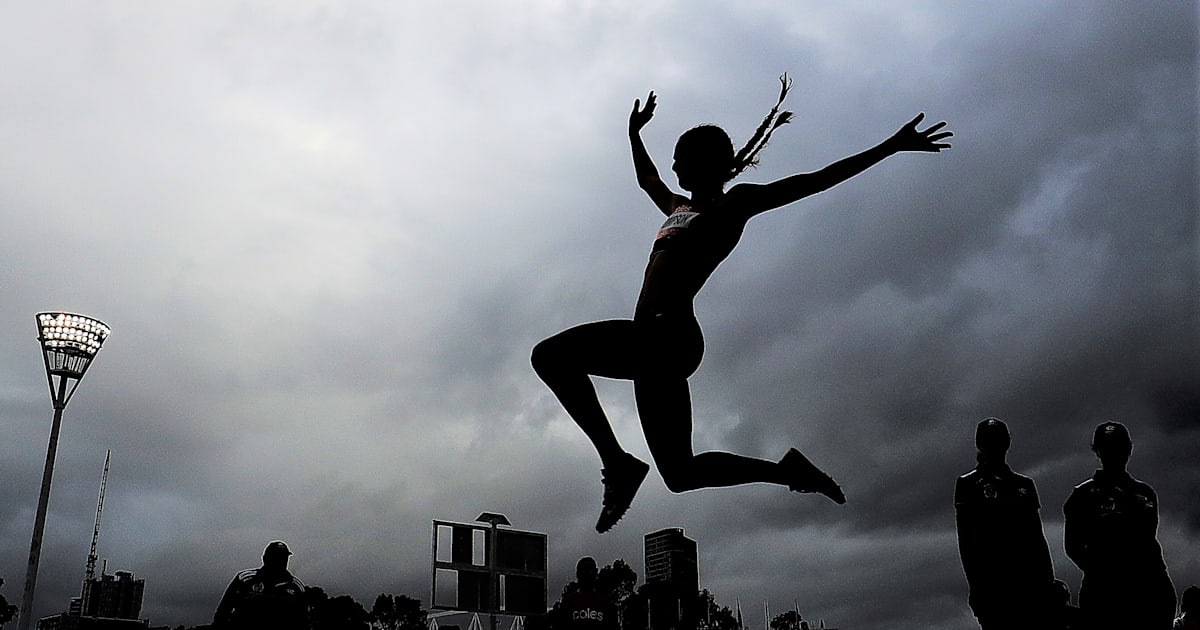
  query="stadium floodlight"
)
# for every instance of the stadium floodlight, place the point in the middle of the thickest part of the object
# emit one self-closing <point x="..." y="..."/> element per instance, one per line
<point x="69" y="344"/>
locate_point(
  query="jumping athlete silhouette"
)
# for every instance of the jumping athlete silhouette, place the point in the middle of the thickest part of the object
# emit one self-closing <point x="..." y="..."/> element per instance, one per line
<point x="662" y="345"/>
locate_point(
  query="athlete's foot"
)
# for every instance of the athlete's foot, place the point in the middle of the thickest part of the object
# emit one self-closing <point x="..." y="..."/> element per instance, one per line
<point x="803" y="476"/>
<point x="621" y="482"/>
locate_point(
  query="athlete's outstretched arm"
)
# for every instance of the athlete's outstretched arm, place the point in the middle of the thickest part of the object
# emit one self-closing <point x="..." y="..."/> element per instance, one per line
<point x="648" y="178"/>
<point x="756" y="198"/>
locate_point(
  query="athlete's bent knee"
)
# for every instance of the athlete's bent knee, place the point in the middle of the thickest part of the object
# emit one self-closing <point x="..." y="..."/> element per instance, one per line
<point x="545" y="358"/>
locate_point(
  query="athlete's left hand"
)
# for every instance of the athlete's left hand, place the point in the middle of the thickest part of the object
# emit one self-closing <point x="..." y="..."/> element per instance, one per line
<point x="909" y="138"/>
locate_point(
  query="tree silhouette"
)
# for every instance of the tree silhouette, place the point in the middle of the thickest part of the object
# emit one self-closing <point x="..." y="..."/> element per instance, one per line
<point x="714" y="616"/>
<point x="8" y="611"/>
<point x="398" y="612"/>
<point x="619" y="579"/>
<point x="789" y="620"/>
<point x="335" y="613"/>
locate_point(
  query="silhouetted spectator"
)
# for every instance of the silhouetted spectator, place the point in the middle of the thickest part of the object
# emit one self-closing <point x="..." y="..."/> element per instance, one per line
<point x="266" y="597"/>
<point x="1000" y="540"/>
<point x="589" y="607"/>
<point x="1111" y="535"/>
<point x="1189" y="609"/>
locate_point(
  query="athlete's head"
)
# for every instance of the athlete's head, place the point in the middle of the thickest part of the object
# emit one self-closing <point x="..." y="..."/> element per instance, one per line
<point x="703" y="157"/>
<point x="992" y="438"/>
<point x="275" y="556"/>
<point x="1112" y="444"/>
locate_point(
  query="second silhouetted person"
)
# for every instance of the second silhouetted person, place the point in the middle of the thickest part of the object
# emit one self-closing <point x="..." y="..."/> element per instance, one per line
<point x="1111" y="523"/>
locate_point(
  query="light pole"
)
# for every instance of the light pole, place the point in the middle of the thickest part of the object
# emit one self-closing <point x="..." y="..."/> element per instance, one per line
<point x="69" y="343"/>
<point x="492" y="519"/>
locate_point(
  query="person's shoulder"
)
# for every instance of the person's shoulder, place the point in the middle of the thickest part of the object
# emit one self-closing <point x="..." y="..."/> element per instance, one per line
<point x="1081" y="494"/>
<point x="968" y="488"/>
<point x="1024" y="481"/>
<point x="1142" y="486"/>
<point x="247" y="575"/>
<point x="1086" y="485"/>
<point x="964" y="481"/>
<point x="298" y="583"/>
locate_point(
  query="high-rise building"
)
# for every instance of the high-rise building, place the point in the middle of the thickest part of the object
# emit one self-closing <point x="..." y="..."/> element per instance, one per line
<point x="114" y="596"/>
<point x="109" y="602"/>
<point x="671" y="558"/>
<point x="673" y="578"/>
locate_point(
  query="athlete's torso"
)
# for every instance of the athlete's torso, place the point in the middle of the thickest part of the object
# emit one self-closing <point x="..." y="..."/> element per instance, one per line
<point x="687" y="249"/>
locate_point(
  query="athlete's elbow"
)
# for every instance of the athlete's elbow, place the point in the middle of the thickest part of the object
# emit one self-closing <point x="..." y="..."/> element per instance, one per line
<point x="649" y="183"/>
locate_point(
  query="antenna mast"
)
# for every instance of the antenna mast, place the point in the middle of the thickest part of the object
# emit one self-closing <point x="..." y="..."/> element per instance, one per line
<point x="91" y="561"/>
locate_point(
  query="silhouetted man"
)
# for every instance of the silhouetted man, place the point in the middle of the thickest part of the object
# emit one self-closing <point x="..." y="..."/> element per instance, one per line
<point x="589" y="607"/>
<point x="266" y="597"/>
<point x="1004" y="552"/>
<point x="1111" y="535"/>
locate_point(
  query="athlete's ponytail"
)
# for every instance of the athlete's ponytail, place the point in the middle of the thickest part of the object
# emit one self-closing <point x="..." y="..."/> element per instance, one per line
<point x="748" y="155"/>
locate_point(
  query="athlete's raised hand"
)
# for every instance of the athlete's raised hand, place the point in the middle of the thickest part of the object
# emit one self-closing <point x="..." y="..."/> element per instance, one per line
<point x="909" y="138"/>
<point x="641" y="115"/>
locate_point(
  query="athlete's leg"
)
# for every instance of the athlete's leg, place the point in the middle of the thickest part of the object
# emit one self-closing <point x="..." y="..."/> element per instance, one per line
<point x="566" y="362"/>
<point x="664" y="405"/>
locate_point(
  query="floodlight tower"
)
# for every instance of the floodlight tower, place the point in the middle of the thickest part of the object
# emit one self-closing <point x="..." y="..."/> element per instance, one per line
<point x="69" y="343"/>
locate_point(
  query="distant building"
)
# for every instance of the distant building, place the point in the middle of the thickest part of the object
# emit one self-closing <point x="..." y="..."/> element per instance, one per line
<point x="671" y="558"/>
<point x="113" y="596"/>
<point x="672" y="578"/>
<point x="110" y="602"/>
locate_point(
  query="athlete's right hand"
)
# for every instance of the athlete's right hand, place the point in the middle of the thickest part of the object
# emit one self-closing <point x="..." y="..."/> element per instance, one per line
<point x="641" y="115"/>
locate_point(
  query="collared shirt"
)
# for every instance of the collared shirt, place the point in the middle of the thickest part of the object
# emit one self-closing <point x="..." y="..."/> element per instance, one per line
<point x="257" y="596"/>
<point x="1000" y="540"/>
<point x="1112" y="523"/>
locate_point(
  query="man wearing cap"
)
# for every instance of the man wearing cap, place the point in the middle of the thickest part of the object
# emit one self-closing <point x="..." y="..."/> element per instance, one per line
<point x="1111" y="529"/>
<point x="266" y="597"/>
<point x="1000" y="540"/>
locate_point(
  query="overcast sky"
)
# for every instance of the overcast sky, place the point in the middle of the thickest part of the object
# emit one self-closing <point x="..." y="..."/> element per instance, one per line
<point x="326" y="236"/>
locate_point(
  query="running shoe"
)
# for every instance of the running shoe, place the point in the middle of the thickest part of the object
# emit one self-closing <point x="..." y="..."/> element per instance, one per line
<point x="621" y="483"/>
<point x="803" y="476"/>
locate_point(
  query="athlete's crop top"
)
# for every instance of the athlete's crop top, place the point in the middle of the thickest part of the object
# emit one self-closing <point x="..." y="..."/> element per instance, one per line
<point x="713" y="235"/>
<point x="675" y="225"/>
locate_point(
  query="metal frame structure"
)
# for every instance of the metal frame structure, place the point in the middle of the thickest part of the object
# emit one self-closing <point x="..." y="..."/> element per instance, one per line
<point x="502" y="552"/>
<point x="69" y="344"/>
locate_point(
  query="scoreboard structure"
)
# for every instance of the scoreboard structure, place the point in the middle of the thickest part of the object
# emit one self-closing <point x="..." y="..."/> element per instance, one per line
<point x="484" y="569"/>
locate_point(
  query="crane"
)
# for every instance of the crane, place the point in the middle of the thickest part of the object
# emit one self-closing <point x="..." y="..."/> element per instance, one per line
<point x="91" y="561"/>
